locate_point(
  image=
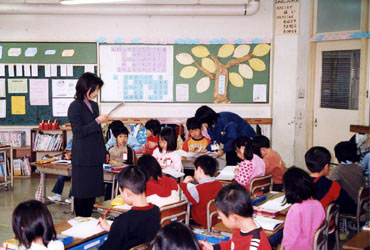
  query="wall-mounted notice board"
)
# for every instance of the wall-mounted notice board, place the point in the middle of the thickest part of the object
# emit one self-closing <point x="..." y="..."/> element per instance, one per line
<point x="37" y="80"/>
<point x="185" y="73"/>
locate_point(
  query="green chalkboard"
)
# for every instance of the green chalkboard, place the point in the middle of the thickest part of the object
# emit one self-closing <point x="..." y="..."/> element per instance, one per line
<point x="85" y="53"/>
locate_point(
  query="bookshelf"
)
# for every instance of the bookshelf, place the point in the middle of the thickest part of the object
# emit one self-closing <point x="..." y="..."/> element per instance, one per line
<point x="6" y="152"/>
<point x="51" y="142"/>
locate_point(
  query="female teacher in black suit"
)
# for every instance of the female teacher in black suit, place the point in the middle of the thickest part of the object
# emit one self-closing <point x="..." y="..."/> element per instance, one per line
<point x="88" y="150"/>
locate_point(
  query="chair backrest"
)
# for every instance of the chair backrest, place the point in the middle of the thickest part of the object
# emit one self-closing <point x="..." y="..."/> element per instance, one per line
<point x="261" y="184"/>
<point x="320" y="240"/>
<point x="143" y="246"/>
<point x="332" y="215"/>
<point x="211" y="215"/>
<point x="178" y="211"/>
<point x="363" y="201"/>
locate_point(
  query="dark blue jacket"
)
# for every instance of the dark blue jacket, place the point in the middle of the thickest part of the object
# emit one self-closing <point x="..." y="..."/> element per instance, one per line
<point x="229" y="126"/>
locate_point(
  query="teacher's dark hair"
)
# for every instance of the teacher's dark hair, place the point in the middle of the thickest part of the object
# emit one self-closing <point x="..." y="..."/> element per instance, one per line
<point x="206" y="115"/>
<point x="31" y="220"/>
<point x="85" y="82"/>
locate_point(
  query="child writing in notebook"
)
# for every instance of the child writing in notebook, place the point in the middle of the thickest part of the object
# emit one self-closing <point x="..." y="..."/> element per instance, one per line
<point x="275" y="166"/>
<point x="196" y="142"/>
<point x="251" y="165"/>
<point x="33" y="226"/>
<point x="153" y="127"/>
<point x="160" y="189"/>
<point x="306" y="214"/>
<point x="234" y="207"/>
<point x="166" y="153"/>
<point x="141" y="223"/>
<point x="121" y="153"/>
<point x="206" y="190"/>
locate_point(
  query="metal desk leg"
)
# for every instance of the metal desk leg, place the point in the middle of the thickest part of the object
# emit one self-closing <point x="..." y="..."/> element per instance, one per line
<point x="43" y="186"/>
<point x="113" y="186"/>
<point x="11" y="168"/>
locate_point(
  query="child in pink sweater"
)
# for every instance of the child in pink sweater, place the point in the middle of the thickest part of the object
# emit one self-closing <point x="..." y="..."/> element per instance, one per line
<point x="251" y="166"/>
<point x="306" y="214"/>
<point x="166" y="153"/>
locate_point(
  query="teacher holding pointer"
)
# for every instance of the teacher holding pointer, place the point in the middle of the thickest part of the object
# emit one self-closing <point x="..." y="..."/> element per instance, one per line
<point x="224" y="127"/>
<point x="88" y="150"/>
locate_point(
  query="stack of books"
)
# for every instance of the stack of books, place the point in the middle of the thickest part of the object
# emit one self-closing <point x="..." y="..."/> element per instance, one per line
<point x="48" y="142"/>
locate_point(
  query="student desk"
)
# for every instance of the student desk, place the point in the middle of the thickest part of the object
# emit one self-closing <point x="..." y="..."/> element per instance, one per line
<point x="92" y="242"/>
<point x="66" y="170"/>
<point x="359" y="241"/>
<point x="6" y="150"/>
<point x="188" y="162"/>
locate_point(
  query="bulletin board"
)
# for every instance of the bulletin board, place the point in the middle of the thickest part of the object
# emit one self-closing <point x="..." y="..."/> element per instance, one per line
<point x="185" y="73"/>
<point x="37" y="80"/>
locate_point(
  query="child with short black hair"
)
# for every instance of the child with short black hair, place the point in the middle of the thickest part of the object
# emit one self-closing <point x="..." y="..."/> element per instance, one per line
<point x="121" y="153"/>
<point x="166" y="153"/>
<point x="141" y="223"/>
<point x="348" y="174"/>
<point x="195" y="142"/>
<point x="33" y="226"/>
<point x="305" y="215"/>
<point x="168" y="238"/>
<point x="207" y="189"/>
<point x="234" y="205"/>
<point x="160" y="189"/>
<point x="275" y="166"/>
<point x="251" y="165"/>
<point x="153" y="127"/>
<point x="317" y="161"/>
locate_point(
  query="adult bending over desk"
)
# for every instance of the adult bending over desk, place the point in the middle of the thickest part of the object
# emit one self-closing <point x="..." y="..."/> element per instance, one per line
<point x="223" y="128"/>
<point x="88" y="148"/>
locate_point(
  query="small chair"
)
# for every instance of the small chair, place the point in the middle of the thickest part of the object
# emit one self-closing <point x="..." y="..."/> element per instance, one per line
<point x="211" y="215"/>
<point x="332" y="214"/>
<point x="363" y="199"/>
<point x="320" y="240"/>
<point x="261" y="184"/>
<point x="178" y="211"/>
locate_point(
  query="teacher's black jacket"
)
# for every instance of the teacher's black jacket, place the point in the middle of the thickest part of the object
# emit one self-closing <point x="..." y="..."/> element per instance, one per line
<point x="88" y="150"/>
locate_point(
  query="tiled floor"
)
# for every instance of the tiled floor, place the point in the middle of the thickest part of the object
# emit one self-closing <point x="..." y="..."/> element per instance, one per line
<point x="24" y="189"/>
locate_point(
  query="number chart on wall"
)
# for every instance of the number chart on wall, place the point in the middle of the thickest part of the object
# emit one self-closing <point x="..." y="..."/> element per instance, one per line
<point x="205" y="73"/>
<point x="37" y="80"/>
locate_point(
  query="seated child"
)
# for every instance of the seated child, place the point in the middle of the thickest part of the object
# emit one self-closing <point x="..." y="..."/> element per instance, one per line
<point x="160" y="189"/>
<point x="365" y="166"/>
<point x="33" y="226"/>
<point x="153" y="127"/>
<point x="234" y="207"/>
<point x="305" y="215"/>
<point x="196" y="142"/>
<point x="317" y="161"/>
<point x="168" y="238"/>
<point x="111" y="140"/>
<point x="207" y="189"/>
<point x="347" y="173"/>
<point x="141" y="223"/>
<point x="275" y="166"/>
<point x="166" y="153"/>
<point x="121" y="153"/>
<point x="251" y="165"/>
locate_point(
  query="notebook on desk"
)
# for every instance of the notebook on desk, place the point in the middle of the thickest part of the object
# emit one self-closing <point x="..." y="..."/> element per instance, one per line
<point x="84" y="229"/>
<point x="227" y="174"/>
<point x="272" y="207"/>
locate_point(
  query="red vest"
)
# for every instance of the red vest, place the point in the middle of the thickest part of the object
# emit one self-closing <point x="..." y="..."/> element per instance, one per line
<point x="207" y="191"/>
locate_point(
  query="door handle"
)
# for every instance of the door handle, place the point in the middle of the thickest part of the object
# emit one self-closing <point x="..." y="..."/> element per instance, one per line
<point x="315" y="123"/>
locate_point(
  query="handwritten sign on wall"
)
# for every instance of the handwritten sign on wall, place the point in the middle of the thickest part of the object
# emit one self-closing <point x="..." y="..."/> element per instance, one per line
<point x="286" y="17"/>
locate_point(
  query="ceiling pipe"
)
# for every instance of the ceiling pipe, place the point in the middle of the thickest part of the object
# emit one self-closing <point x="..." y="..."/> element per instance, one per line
<point x="132" y="10"/>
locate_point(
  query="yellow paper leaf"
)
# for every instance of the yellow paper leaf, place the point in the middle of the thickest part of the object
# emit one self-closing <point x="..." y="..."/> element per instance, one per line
<point x="226" y="50"/>
<point x="245" y="71"/>
<point x="241" y="50"/>
<point x="203" y="84"/>
<point x="188" y="72"/>
<point x="236" y="80"/>
<point x="184" y="58"/>
<point x="200" y="51"/>
<point x="209" y="64"/>
<point x="261" y="49"/>
<point x="257" y="64"/>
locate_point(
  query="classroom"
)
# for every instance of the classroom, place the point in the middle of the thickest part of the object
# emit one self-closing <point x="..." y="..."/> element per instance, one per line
<point x="290" y="74"/>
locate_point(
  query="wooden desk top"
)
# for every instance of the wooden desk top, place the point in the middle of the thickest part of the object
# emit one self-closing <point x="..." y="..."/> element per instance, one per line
<point x="62" y="226"/>
<point x="359" y="241"/>
<point x="359" y="129"/>
<point x="53" y="166"/>
<point x="105" y="205"/>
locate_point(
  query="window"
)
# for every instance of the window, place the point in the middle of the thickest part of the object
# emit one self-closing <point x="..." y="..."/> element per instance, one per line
<point x="340" y="79"/>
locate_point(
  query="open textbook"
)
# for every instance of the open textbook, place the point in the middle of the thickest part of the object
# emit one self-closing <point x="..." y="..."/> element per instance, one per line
<point x="227" y="174"/>
<point x="267" y="223"/>
<point x="275" y="205"/>
<point x="172" y="172"/>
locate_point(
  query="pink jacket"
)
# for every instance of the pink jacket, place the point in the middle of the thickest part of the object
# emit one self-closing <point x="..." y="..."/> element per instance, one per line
<point x="248" y="170"/>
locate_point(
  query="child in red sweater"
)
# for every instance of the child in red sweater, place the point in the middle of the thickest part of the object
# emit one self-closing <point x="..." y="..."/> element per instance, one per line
<point x="153" y="127"/>
<point x="234" y="206"/>
<point x="207" y="189"/>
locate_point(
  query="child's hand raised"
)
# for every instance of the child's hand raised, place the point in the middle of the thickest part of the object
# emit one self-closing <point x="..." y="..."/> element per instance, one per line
<point x="188" y="179"/>
<point x="205" y="245"/>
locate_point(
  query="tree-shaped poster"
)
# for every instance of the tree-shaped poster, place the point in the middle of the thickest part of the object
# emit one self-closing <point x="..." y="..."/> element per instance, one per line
<point x="208" y="70"/>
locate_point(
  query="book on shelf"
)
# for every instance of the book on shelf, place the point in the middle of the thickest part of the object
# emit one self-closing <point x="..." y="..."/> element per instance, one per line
<point x="13" y="138"/>
<point x="47" y="142"/>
